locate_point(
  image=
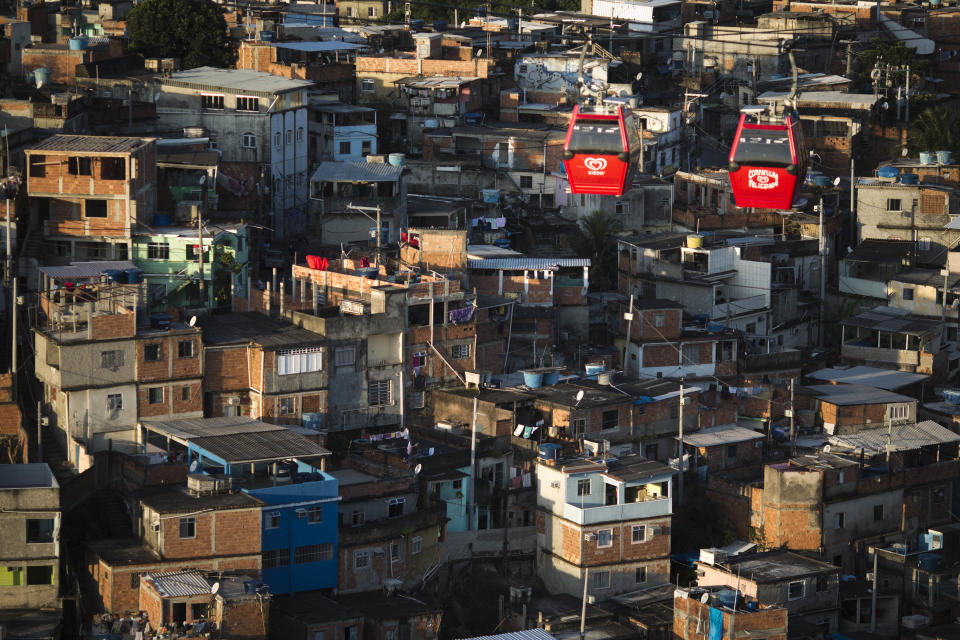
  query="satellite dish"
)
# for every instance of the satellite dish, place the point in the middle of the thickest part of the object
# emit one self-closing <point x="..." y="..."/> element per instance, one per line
<point x="193" y="319"/>
<point x="417" y="469"/>
<point x="194" y="466"/>
<point x="826" y="448"/>
<point x="836" y="182"/>
<point x="215" y="588"/>
<point x="705" y="598"/>
<point x="904" y="152"/>
<point x="876" y="73"/>
<point x="639" y="76"/>
<point x="579" y="396"/>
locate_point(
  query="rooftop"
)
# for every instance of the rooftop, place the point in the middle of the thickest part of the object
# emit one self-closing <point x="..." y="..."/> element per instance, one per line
<point x="257" y="82"/>
<point x="905" y="437"/>
<point x="436" y="82"/>
<point x="77" y="270"/>
<point x="929" y="277"/>
<point x="895" y="321"/>
<point x="311" y="607"/>
<point x="179" y="584"/>
<point x="776" y="566"/>
<point x="523" y="264"/>
<point x="245" y="327"/>
<point x="331" y="171"/>
<point x="380" y="606"/>
<point x="176" y="499"/>
<point x="123" y="551"/>
<point x="35" y="475"/>
<point x="317" y="46"/>
<point x="339" y="107"/>
<point x="629" y="468"/>
<point x="237" y="439"/>
<point x="825" y="99"/>
<point x="90" y="144"/>
<point x="528" y="634"/>
<point x="656" y="303"/>
<point x="818" y="461"/>
<point x="870" y="376"/>
<point x="721" y="435"/>
<point x="855" y="394"/>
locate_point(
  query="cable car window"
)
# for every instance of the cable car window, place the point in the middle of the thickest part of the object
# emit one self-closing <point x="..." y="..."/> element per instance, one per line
<point x="596" y="138"/>
<point x="765" y="147"/>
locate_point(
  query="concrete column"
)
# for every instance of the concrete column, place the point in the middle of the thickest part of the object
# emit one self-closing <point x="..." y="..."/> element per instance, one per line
<point x="500" y="282"/>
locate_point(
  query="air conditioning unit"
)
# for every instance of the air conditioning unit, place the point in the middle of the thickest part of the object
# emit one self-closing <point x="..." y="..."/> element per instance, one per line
<point x="590" y="537"/>
<point x="155" y="527"/>
<point x="233" y="401"/>
<point x="554" y="485"/>
<point x="656" y="531"/>
<point x="301" y="513"/>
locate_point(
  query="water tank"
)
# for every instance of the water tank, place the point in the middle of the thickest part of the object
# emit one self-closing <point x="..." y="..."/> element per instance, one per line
<point x="116" y="276"/>
<point x="951" y="396"/>
<point x="821" y="181"/>
<point x="929" y="561"/>
<point x="927" y="157"/>
<point x="887" y="174"/>
<point x="533" y="379"/>
<point x="440" y="26"/>
<point x="267" y="36"/>
<point x="41" y="76"/>
<point x="491" y="196"/>
<point x="416" y="25"/>
<point x="78" y="43"/>
<point x="728" y="598"/>
<point x="473" y="119"/>
<point x="397" y="159"/>
<point x="595" y="368"/>
<point x="605" y="378"/>
<point x="160" y="321"/>
<point x="714" y="327"/>
<point x="694" y="241"/>
<point x="134" y="276"/>
<point x="909" y="178"/>
<point x="944" y="157"/>
<point x="431" y="124"/>
<point x="549" y="451"/>
<point x="162" y="220"/>
<point x="752" y="605"/>
<point x="551" y="377"/>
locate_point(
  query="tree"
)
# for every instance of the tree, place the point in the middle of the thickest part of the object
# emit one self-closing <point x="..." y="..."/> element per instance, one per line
<point x="596" y="240"/>
<point x="934" y="129"/>
<point x="193" y="30"/>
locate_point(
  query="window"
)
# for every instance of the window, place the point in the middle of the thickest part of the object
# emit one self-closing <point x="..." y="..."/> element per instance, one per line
<point x="38" y="166"/>
<point x="838" y="520"/>
<point x="248" y="103"/>
<point x="731" y="453"/>
<point x="11" y="576"/>
<point x="299" y="134"/>
<point x="526" y="182"/>
<point x="315" y="514"/>
<point x="419" y="358"/>
<point x="394" y="551"/>
<point x="349" y="12"/>
<point x="289" y="136"/>
<point x="395" y="507"/>
<point x="114" y="402"/>
<point x="345" y="148"/>
<point x="601" y="579"/>
<point x="367" y="86"/>
<point x="344" y="357"/>
<point x="40" y="575"/>
<point x="357" y="517"/>
<point x="893" y="204"/>
<point x="248" y="141"/>
<point x="288" y="405"/>
<point x="275" y="558"/>
<point x="39" y="530"/>
<point x="460" y="351"/>
<point x="457" y="485"/>
<point x="135" y="580"/>
<point x="313" y="553"/>
<point x="610" y="419"/>
<point x="158" y="251"/>
<point x="155" y="395"/>
<point x="605" y="538"/>
<point x="365" y="147"/>
<point x="211" y="101"/>
<point x="924" y="244"/>
<point x="78" y="166"/>
<point x="878" y="513"/>
<point x="658" y="320"/>
<point x="272" y="520"/>
<point x="153" y="352"/>
<point x="416" y="545"/>
<point x="380" y="393"/>
<point x="188" y="527"/>
<point x="111" y="360"/>
<point x="350" y="633"/>
<point x="639" y="533"/>
<point x="898" y="412"/>
<point x="640" y="575"/>
<point x="185" y="349"/>
<point x="361" y="559"/>
<point x="277" y="140"/>
<point x="292" y="361"/>
<point x="841" y="477"/>
<point x="583" y="487"/>
<point x="795" y="590"/>
<point x="621" y="207"/>
<point x="579" y="427"/>
<point x="823" y="583"/>
<point x="907" y="293"/>
<point x="691" y="354"/>
<point x="95" y="209"/>
<point x="371" y="12"/>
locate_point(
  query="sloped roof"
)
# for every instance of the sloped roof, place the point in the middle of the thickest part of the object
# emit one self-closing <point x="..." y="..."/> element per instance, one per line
<point x="356" y="172"/>
<point x="906" y="437"/>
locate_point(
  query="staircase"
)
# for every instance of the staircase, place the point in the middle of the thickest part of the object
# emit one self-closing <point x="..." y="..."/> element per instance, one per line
<point x="113" y="516"/>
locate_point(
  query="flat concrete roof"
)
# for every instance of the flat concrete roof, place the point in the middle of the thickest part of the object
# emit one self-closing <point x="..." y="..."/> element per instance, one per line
<point x="36" y="475"/>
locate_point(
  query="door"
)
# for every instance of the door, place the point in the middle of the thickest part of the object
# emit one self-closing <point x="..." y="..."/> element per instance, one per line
<point x="179" y="612"/>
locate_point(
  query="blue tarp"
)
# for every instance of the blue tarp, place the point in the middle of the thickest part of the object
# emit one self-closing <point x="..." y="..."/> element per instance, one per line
<point x="716" y="624"/>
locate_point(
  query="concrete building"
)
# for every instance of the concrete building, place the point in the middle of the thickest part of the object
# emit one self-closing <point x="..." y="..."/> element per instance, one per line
<point x="693" y="618"/>
<point x="893" y="338"/>
<point x="90" y="193"/>
<point x="251" y="117"/>
<point x="608" y="517"/>
<point x="30" y="526"/>
<point x="337" y="186"/>
<point x="431" y="101"/>
<point x="342" y="132"/>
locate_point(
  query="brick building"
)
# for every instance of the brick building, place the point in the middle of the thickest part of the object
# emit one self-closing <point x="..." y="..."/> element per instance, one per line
<point x="609" y="517"/>
<point x="90" y="192"/>
<point x="848" y="408"/>
<point x="694" y="619"/>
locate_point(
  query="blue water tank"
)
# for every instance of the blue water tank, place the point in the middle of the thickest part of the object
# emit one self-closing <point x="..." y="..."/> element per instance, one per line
<point x="397" y="159"/>
<point x="267" y="36"/>
<point x="549" y="451"/>
<point x="533" y="379"/>
<point x="78" y="43"/>
<point x="909" y="178"/>
<point x="594" y="369"/>
<point x="473" y="119"/>
<point x="551" y="377"/>
<point x="821" y="181"/>
<point x="160" y="321"/>
<point x="888" y="172"/>
<point x="728" y="598"/>
<point x="944" y="157"/>
<point x="416" y="25"/>
<point x="927" y="157"/>
<point x="134" y="276"/>
<point x="162" y="220"/>
<point x="714" y="327"/>
<point x="440" y="25"/>
<point x="752" y="605"/>
<point x="41" y="76"/>
<point x="929" y="561"/>
<point x="116" y="275"/>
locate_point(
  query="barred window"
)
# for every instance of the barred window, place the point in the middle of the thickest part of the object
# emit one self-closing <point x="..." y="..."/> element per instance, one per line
<point x="313" y="553"/>
<point x="248" y="103"/>
<point x="380" y="393"/>
<point x="344" y="356"/>
<point x="292" y="361"/>
<point x="276" y="558"/>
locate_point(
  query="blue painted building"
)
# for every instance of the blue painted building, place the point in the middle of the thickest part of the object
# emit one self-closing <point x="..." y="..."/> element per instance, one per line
<point x="279" y="467"/>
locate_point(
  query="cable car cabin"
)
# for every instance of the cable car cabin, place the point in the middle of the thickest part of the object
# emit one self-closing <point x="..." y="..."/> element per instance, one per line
<point x="768" y="161"/>
<point x="601" y="154"/>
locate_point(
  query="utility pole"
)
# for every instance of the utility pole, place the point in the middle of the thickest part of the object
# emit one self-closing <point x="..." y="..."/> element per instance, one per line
<point x="853" y="204"/>
<point x="583" y="603"/>
<point x="849" y="72"/>
<point x="628" y="316"/>
<point x="908" y="94"/>
<point x="945" y="272"/>
<point x="873" y="595"/>
<point x="823" y="274"/>
<point x="472" y="501"/>
<point x="793" y="423"/>
<point x="377" y="210"/>
<point x="203" y="209"/>
<point x="680" y="450"/>
<point x="39" y="431"/>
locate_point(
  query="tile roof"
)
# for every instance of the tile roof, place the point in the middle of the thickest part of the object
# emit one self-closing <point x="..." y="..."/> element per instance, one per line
<point x="356" y="172"/>
<point x="179" y="584"/>
<point x="90" y="144"/>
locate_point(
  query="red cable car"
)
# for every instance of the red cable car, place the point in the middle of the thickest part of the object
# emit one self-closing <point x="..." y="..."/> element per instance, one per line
<point x="768" y="161"/>
<point x="601" y="154"/>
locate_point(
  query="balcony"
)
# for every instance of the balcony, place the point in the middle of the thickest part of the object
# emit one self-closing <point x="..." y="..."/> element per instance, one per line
<point x="617" y="512"/>
<point x="881" y="355"/>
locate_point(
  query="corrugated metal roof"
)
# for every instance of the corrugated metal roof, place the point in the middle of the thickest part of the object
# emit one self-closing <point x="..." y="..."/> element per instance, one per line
<point x="436" y="82"/>
<point x="855" y="394"/>
<point x="723" y="434"/>
<point x="256" y="447"/>
<point x="179" y="584"/>
<point x="905" y="437"/>
<point x="86" y="269"/>
<point x="894" y="321"/>
<point x="356" y="172"/>
<point x="528" y="634"/>
<point x="318" y="46"/>
<point x="199" y="427"/>
<point x="89" y="144"/>
<point x="548" y="264"/>
<point x="871" y="376"/>
<point x="241" y="80"/>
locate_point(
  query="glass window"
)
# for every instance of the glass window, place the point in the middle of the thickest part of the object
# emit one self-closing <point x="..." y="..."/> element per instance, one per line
<point x="639" y="533"/>
<point x="272" y="520"/>
<point x="345" y="147"/>
<point x="153" y="352"/>
<point x="610" y="419"/>
<point x="583" y="487"/>
<point x="361" y="559"/>
<point x="344" y="357"/>
<point x="838" y="520"/>
<point x="114" y="402"/>
<point x="907" y="293"/>
<point x="185" y="349"/>
<point x="460" y="351"/>
<point x="39" y="530"/>
<point x="249" y="141"/>
<point x="211" y="101"/>
<point x="248" y="103"/>
<point x="40" y="575"/>
<point x="691" y="354"/>
<point x="275" y="558"/>
<point x="315" y="514"/>
<point x="357" y="517"/>
<point x="293" y="361"/>
<point x="764" y="147"/>
<point x="395" y="507"/>
<point x="158" y="251"/>
<point x="795" y="590"/>
<point x="600" y="137"/>
<point x="367" y="86"/>
<point x="313" y="553"/>
<point x="416" y="545"/>
<point x="188" y="527"/>
<point x="111" y="360"/>
<point x="365" y="147"/>
<point x="156" y="395"/>
<point x="878" y="513"/>
<point x="894" y="204"/>
<point x="288" y="405"/>
<point x="658" y="320"/>
<point x="526" y="182"/>
<point x="640" y="575"/>
<point x="379" y="393"/>
<point x="135" y="580"/>
<point x="601" y="579"/>
<point x="605" y="538"/>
